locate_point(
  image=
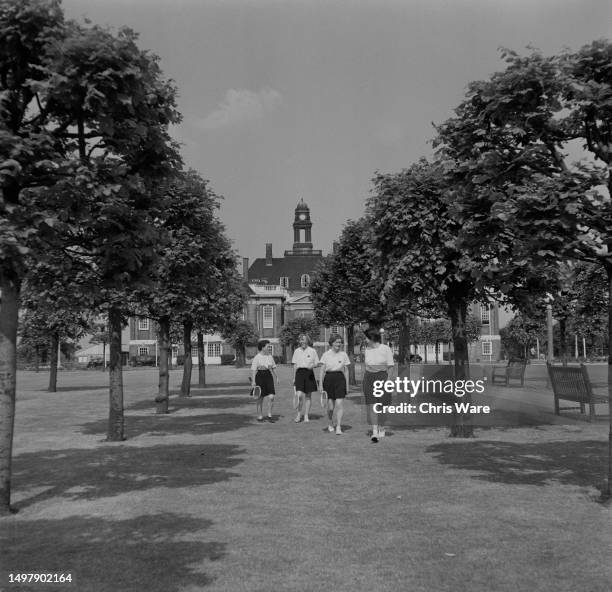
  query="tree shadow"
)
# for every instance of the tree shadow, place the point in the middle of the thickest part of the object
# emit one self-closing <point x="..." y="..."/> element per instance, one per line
<point x="177" y="403"/>
<point x="580" y="463"/>
<point x="79" y="474"/>
<point x="144" y="553"/>
<point x="166" y="424"/>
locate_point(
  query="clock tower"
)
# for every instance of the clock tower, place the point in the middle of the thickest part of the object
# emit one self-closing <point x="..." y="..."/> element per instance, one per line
<point x="302" y="230"/>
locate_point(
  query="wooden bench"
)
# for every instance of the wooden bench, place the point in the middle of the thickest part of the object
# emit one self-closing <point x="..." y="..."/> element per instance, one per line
<point x="514" y="370"/>
<point x="572" y="383"/>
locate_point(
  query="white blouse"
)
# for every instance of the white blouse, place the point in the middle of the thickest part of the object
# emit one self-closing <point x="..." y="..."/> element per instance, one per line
<point x="379" y="356"/>
<point x="261" y="361"/>
<point x="333" y="361"/>
<point x="305" y="358"/>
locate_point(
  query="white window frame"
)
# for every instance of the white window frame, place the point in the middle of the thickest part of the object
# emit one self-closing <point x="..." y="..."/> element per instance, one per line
<point x="485" y="315"/>
<point x="335" y="329"/>
<point x="284" y="282"/>
<point x="487" y="347"/>
<point x="267" y="316"/>
<point x="143" y="324"/>
<point x="143" y="350"/>
<point x="305" y="280"/>
<point x="214" y="350"/>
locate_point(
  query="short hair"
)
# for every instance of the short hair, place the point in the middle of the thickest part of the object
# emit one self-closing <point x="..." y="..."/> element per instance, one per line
<point x="373" y="335"/>
<point x="334" y="337"/>
<point x="308" y="338"/>
<point x="261" y="344"/>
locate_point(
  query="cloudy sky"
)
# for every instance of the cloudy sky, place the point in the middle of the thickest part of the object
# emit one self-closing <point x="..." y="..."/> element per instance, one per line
<point x="290" y="99"/>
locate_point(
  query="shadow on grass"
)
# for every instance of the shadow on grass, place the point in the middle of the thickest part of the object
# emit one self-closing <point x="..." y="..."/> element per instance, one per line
<point x="580" y="463"/>
<point x="79" y="474"/>
<point x="83" y="388"/>
<point x="166" y="424"/>
<point x="144" y="553"/>
<point x="177" y="403"/>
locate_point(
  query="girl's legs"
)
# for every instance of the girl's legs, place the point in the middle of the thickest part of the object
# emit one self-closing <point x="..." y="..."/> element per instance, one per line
<point x="307" y="402"/>
<point x="339" y="413"/>
<point x="330" y="415"/>
<point x="373" y="421"/>
<point x="270" y="404"/>
<point x="298" y="417"/>
<point x="260" y="408"/>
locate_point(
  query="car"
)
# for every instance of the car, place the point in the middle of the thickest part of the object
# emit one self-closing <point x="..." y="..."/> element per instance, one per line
<point x="415" y="359"/>
<point x="95" y="363"/>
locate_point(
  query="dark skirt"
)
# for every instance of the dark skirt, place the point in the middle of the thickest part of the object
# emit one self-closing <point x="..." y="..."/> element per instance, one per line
<point x="368" y="388"/>
<point x="305" y="380"/>
<point x="265" y="380"/>
<point x="334" y="384"/>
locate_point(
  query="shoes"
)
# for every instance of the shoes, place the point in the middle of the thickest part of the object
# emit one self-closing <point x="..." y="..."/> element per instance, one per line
<point x="330" y="428"/>
<point x="374" y="438"/>
<point x="381" y="432"/>
<point x="270" y="418"/>
<point x="338" y="431"/>
<point x="260" y="418"/>
<point x="298" y="418"/>
<point x="306" y="418"/>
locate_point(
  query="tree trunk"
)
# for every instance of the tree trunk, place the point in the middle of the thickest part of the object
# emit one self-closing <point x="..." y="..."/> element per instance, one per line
<point x="457" y="307"/>
<point x="350" y="351"/>
<point x="608" y="488"/>
<point x="9" y="310"/>
<point x="115" y="417"/>
<point x="437" y="344"/>
<point x="187" y="363"/>
<point x="403" y="362"/>
<point x="201" y="360"/>
<point x="54" y="361"/>
<point x="164" y="347"/>
<point x="240" y="355"/>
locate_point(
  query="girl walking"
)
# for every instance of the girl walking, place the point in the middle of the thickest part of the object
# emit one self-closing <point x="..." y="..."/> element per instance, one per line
<point x="378" y="362"/>
<point x="304" y="360"/>
<point x="334" y="378"/>
<point x="263" y="375"/>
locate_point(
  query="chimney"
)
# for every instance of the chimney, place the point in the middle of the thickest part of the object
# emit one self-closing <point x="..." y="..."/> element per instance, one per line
<point x="268" y="253"/>
<point x="335" y="247"/>
<point x="245" y="269"/>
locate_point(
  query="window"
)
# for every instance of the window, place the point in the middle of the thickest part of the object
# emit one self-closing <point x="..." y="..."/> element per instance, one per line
<point x="268" y="317"/>
<point x="143" y="351"/>
<point x="485" y="315"/>
<point x="214" y="350"/>
<point x="305" y="282"/>
<point x="143" y="324"/>
<point x="487" y="348"/>
<point x="335" y="330"/>
<point x="284" y="282"/>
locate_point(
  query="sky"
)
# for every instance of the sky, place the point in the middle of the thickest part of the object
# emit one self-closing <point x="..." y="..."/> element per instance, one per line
<point x="285" y="100"/>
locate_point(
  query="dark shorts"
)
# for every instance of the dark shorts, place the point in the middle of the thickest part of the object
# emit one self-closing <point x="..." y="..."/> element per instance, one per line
<point x="265" y="380"/>
<point x="305" y="380"/>
<point x="368" y="387"/>
<point x="334" y="384"/>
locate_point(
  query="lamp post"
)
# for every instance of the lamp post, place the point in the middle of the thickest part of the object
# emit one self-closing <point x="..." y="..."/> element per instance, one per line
<point x="549" y="327"/>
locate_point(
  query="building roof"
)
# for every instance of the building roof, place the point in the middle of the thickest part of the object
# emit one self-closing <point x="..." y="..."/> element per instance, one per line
<point x="292" y="267"/>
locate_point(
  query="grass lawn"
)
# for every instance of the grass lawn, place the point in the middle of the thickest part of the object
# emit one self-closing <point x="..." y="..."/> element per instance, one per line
<point x="206" y="498"/>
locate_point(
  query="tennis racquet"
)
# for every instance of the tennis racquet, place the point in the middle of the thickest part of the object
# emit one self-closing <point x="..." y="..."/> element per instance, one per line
<point x="296" y="398"/>
<point x="256" y="392"/>
<point x="324" y="399"/>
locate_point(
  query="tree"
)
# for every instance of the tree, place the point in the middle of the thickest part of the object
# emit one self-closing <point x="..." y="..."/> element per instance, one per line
<point x="505" y="151"/>
<point x="344" y="290"/>
<point x="416" y="240"/>
<point x="83" y="136"/>
<point x="239" y="334"/>
<point x="291" y="331"/>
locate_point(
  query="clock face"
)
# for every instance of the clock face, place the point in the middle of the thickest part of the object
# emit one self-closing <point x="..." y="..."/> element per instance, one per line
<point x="302" y="216"/>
